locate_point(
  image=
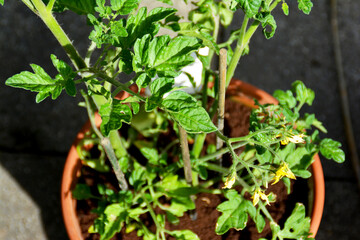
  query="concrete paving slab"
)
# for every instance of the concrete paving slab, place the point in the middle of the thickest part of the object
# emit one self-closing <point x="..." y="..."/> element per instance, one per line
<point x="20" y="216"/>
<point x="30" y="197"/>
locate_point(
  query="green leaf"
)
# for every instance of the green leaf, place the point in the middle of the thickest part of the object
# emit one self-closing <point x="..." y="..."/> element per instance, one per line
<point x="234" y="212"/>
<point x="260" y="222"/>
<point x="142" y="81"/>
<point x="297" y="226"/>
<point x="150" y="154"/>
<point x="303" y="94"/>
<point x="66" y="73"/>
<point x="137" y="177"/>
<point x="141" y="57"/>
<point x="305" y="6"/>
<point x="113" y="114"/>
<point x="226" y="15"/>
<point x="2" y="2"/>
<point x="330" y="149"/>
<point x="115" y="217"/>
<point x="160" y="86"/>
<point x="78" y="6"/>
<point x="124" y="7"/>
<point x="184" y="235"/>
<point x="39" y="81"/>
<point x="82" y="192"/>
<point x="285" y="8"/>
<point x="250" y="7"/>
<point x="285" y="98"/>
<point x="141" y="24"/>
<point x="192" y="30"/>
<point x="266" y="19"/>
<point x="125" y="61"/>
<point x="176" y="53"/>
<point x="194" y="119"/>
<point x="178" y="100"/>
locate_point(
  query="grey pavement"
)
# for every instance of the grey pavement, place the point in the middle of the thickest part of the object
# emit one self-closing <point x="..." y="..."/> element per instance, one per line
<point x="34" y="138"/>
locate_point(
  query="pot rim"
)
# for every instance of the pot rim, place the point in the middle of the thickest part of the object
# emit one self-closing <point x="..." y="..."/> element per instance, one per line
<point x="73" y="165"/>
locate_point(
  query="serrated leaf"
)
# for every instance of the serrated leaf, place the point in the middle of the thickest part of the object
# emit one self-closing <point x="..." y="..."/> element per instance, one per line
<point x="194" y="120"/>
<point x="303" y="94"/>
<point x="260" y="222"/>
<point x="141" y="53"/>
<point x="285" y="98"/>
<point x="192" y="30"/>
<point x="125" y="61"/>
<point x="250" y="7"/>
<point x="297" y="226"/>
<point x="115" y="217"/>
<point x="141" y="24"/>
<point x="124" y="7"/>
<point x="184" y="235"/>
<point x="150" y="154"/>
<point x="330" y="149"/>
<point x="266" y="19"/>
<point x="177" y="100"/>
<point x="226" y="15"/>
<point x="234" y="213"/>
<point x="160" y="86"/>
<point x="142" y="81"/>
<point x="66" y="73"/>
<point x="175" y="55"/>
<point x="39" y="81"/>
<point x="305" y="6"/>
<point x="113" y="114"/>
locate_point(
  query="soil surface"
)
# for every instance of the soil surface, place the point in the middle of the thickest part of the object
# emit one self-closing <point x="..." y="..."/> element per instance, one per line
<point x="206" y="204"/>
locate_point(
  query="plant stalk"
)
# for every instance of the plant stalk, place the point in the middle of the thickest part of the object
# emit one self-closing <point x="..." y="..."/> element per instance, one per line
<point x="222" y="90"/>
<point x="106" y="144"/>
<point x="46" y="15"/>
<point x="185" y="155"/>
<point x="240" y="46"/>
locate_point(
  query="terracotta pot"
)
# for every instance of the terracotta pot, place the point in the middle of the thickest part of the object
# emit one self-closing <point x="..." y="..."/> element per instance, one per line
<point x="240" y="91"/>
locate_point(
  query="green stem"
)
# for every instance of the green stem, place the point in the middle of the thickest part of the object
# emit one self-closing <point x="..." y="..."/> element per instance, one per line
<point x="236" y="159"/>
<point x="50" y="5"/>
<point x="198" y="145"/>
<point x="221" y="152"/>
<point x="106" y="144"/>
<point x="30" y="6"/>
<point x="241" y="44"/>
<point x="89" y="53"/>
<point x="46" y="15"/>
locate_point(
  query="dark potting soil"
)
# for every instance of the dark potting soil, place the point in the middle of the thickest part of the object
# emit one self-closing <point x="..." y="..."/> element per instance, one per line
<point x="207" y="215"/>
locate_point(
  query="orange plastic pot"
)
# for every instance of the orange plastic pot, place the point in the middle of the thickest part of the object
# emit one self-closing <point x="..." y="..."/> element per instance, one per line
<point x="239" y="91"/>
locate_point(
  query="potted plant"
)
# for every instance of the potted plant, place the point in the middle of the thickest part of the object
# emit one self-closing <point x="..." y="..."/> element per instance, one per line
<point x="157" y="152"/>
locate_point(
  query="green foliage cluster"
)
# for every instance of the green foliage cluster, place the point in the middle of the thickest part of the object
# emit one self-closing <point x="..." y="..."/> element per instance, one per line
<point x="280" y="145"/>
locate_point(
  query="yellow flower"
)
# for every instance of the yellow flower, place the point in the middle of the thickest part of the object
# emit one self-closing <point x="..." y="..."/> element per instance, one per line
<point x="297" y="138"/>
<point x="259" y="194"/>
<point x="283" y="171"/>
<point x="230" y="180"/>
<point x="292" y="138"/>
